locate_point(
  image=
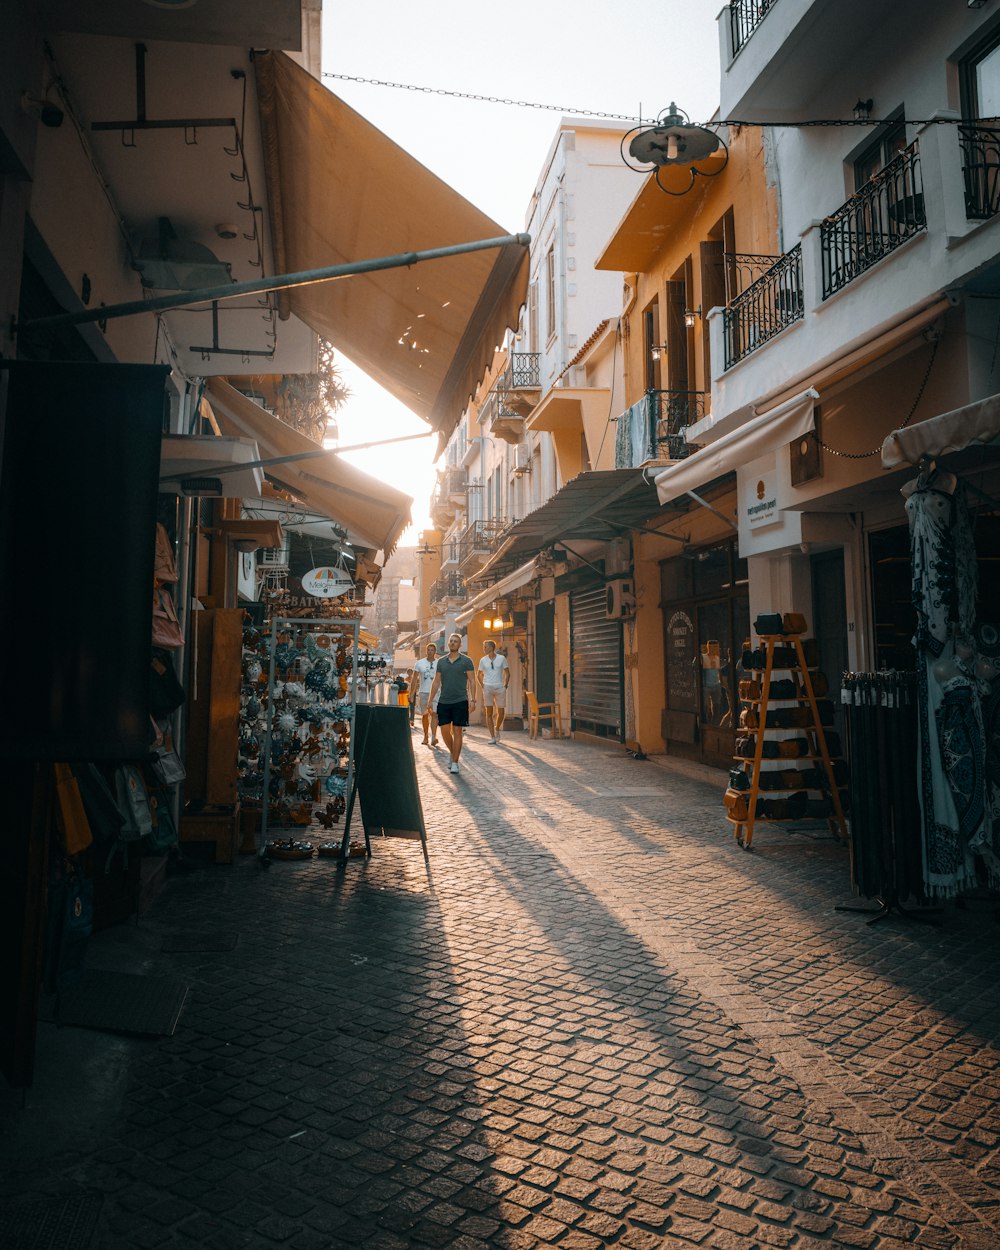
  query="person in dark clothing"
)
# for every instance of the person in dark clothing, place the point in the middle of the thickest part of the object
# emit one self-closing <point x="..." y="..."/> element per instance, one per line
<point x="455" y="684"/>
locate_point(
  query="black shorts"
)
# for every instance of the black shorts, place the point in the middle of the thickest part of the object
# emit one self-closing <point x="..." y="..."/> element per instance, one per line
<point x="454" y="714"/>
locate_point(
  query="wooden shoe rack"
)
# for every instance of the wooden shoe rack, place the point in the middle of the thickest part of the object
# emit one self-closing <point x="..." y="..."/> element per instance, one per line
<point x="812" y="729"/>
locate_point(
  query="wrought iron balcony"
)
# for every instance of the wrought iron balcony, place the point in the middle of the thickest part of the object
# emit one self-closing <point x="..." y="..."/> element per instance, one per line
<point x="744" y="18"/>
<point x="522" y="372"/>
<point x="769" y="305"/>
<point x="479" y="541"/>
<point x="981" y="170"/>
<point x="449" y="586"/>
<point x="500" y="420"/>
<point x="450" y="552"/>
<point x="742" y="269"/>
<point x="888" y="210"/>
<point x="454" y="484"/>
<point x="654" y="427"/>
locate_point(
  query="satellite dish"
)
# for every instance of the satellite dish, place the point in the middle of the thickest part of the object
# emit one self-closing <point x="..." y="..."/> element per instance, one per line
<point x="672" y="140"/>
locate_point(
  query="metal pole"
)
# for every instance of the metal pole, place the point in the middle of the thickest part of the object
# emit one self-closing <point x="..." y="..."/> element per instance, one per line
<point x="281" y="282"/>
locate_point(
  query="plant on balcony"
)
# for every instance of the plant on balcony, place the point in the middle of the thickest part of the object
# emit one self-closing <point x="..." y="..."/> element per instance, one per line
<point x="308" y="401"/>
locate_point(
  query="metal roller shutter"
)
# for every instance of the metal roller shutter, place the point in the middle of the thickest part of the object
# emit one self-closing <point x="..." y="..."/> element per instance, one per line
<point x="596" y="664"/>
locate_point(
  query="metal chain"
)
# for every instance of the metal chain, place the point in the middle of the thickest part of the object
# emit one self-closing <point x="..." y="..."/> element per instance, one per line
<point x="864" y="455"/>
<point x="631" y="117"/>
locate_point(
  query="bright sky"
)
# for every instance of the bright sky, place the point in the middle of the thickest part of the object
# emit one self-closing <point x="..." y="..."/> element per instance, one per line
<point x="636" y="57"/>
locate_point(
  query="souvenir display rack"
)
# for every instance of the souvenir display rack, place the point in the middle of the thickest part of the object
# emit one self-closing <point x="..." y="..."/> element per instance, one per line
<point x="747" y="799"/>
<point x="305" y="710"/>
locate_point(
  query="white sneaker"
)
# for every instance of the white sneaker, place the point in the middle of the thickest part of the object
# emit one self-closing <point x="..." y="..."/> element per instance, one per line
<point x="492" y="741"/>
<point x="454" y="768"/>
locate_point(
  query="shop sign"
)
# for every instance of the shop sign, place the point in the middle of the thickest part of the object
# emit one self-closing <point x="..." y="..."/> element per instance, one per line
<point x="327" y="582"/>
<point x="682" y="663"/>
<point x="762" y="508"/>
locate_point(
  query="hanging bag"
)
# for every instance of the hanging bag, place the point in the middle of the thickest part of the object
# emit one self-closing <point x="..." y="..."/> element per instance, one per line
<point x="166" y="766"/>
<point x="133" y="803"/>
<point x="71" y="815"/>
<point x="166" y="627"/>
<point x="164" y="566"/>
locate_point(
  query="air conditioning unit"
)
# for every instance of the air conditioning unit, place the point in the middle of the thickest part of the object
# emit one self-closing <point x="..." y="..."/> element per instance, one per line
<point x="522" y="459"/>
<point x="620" y="601"/>
<point x="618" y="562"/>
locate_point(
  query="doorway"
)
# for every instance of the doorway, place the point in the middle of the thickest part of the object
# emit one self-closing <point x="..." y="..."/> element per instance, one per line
<point x="545" y="651"/>
<point x="829" y="614"/>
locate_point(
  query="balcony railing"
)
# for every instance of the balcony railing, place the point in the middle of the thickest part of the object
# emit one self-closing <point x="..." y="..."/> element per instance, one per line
<point x="654" y="427"/>
<point x="479" y="539"/>
<point x="744" y="18"/>
<point x="768" y="306"/>
<point x="981" y="170"/>
<point x="450" y="552"/>
<point x="886" y="212"/>
<point x="522" y="371"/>
<point x="742" y="269"/>
<point x="450" y="586"/>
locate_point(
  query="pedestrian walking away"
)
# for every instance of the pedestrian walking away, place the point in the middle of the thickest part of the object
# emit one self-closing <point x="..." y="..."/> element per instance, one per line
<point x="421" y="680"/>
<point x="494" y="676"/>
<point x="455" y="688"/>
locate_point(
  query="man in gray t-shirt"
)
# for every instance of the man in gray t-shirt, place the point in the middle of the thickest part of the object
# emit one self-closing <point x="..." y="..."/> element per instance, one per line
<point x="455" y="682"/>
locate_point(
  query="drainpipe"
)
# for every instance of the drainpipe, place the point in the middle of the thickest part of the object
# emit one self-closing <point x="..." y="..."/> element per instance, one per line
<point x="632" y="281"/>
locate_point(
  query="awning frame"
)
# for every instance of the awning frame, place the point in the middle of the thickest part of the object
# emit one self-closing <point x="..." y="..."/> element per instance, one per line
<point x="794" y="417"/>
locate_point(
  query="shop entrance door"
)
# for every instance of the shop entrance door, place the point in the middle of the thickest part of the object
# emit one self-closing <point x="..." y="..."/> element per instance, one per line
<point x="706" y="623"/>
<point x="545" y="651"/>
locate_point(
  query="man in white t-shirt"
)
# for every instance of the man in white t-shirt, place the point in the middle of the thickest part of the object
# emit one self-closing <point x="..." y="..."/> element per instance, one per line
<point x="421" y="680"/>
<point x="493" y="677"/>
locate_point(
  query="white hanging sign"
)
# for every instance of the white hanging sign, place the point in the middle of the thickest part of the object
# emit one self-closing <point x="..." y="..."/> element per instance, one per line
<point x="762" y="507"/>
<point x="327" y="582"/>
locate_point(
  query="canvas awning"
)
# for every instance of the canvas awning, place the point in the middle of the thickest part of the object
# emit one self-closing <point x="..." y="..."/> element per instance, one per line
<point x="372" y="513"/>
<point x="975" y="423"/>
<point x="513" y="581"/>
<point x="747" y="442"/>
<point x="602" y="504"/>
<point x="341" y="191"/>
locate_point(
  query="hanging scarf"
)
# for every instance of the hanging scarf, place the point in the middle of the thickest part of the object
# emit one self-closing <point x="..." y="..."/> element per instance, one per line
<point x="951" y="732"/>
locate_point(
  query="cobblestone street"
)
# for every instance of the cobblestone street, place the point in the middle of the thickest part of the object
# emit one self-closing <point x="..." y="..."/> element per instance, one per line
<point x="593" y="1022"/>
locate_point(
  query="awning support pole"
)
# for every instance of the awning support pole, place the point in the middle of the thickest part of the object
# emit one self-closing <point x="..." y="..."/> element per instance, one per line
<point x="721" y="515"/>
<point x="242" y="465"/>
<point x="281" y="282"/>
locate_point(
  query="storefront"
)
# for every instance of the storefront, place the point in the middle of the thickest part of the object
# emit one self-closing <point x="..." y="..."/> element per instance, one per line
<point x="596" y="687"/>
<point x="706" y="621"/>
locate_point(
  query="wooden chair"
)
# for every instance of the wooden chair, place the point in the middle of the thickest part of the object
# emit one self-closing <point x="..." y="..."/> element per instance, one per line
<point x="543" y="711"/>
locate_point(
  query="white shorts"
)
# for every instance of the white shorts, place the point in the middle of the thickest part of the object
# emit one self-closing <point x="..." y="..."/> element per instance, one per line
<point x="494" y="696"/>
<point x="424" y="704"/>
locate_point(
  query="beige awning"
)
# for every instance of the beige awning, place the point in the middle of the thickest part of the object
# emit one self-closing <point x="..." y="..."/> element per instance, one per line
<point x="754" y="438"/>
<point x="342" y="191"/>
<point x="975" y="423"/>
<point x="369" y="510"/>
<point x="513" y="581"/>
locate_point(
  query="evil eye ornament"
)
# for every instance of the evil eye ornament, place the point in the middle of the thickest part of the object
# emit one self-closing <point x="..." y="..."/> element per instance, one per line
<point x="253" y="707"/>
<point x="336" y="785"/>
<point x="295" y="690"/>
<point x="315" y="680"/>
<point x="287" y="722"/>
<point x="284" y="655"/>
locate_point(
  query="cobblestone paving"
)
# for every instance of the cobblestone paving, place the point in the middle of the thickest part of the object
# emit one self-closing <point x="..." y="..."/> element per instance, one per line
<point x="593" y="1022"/>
